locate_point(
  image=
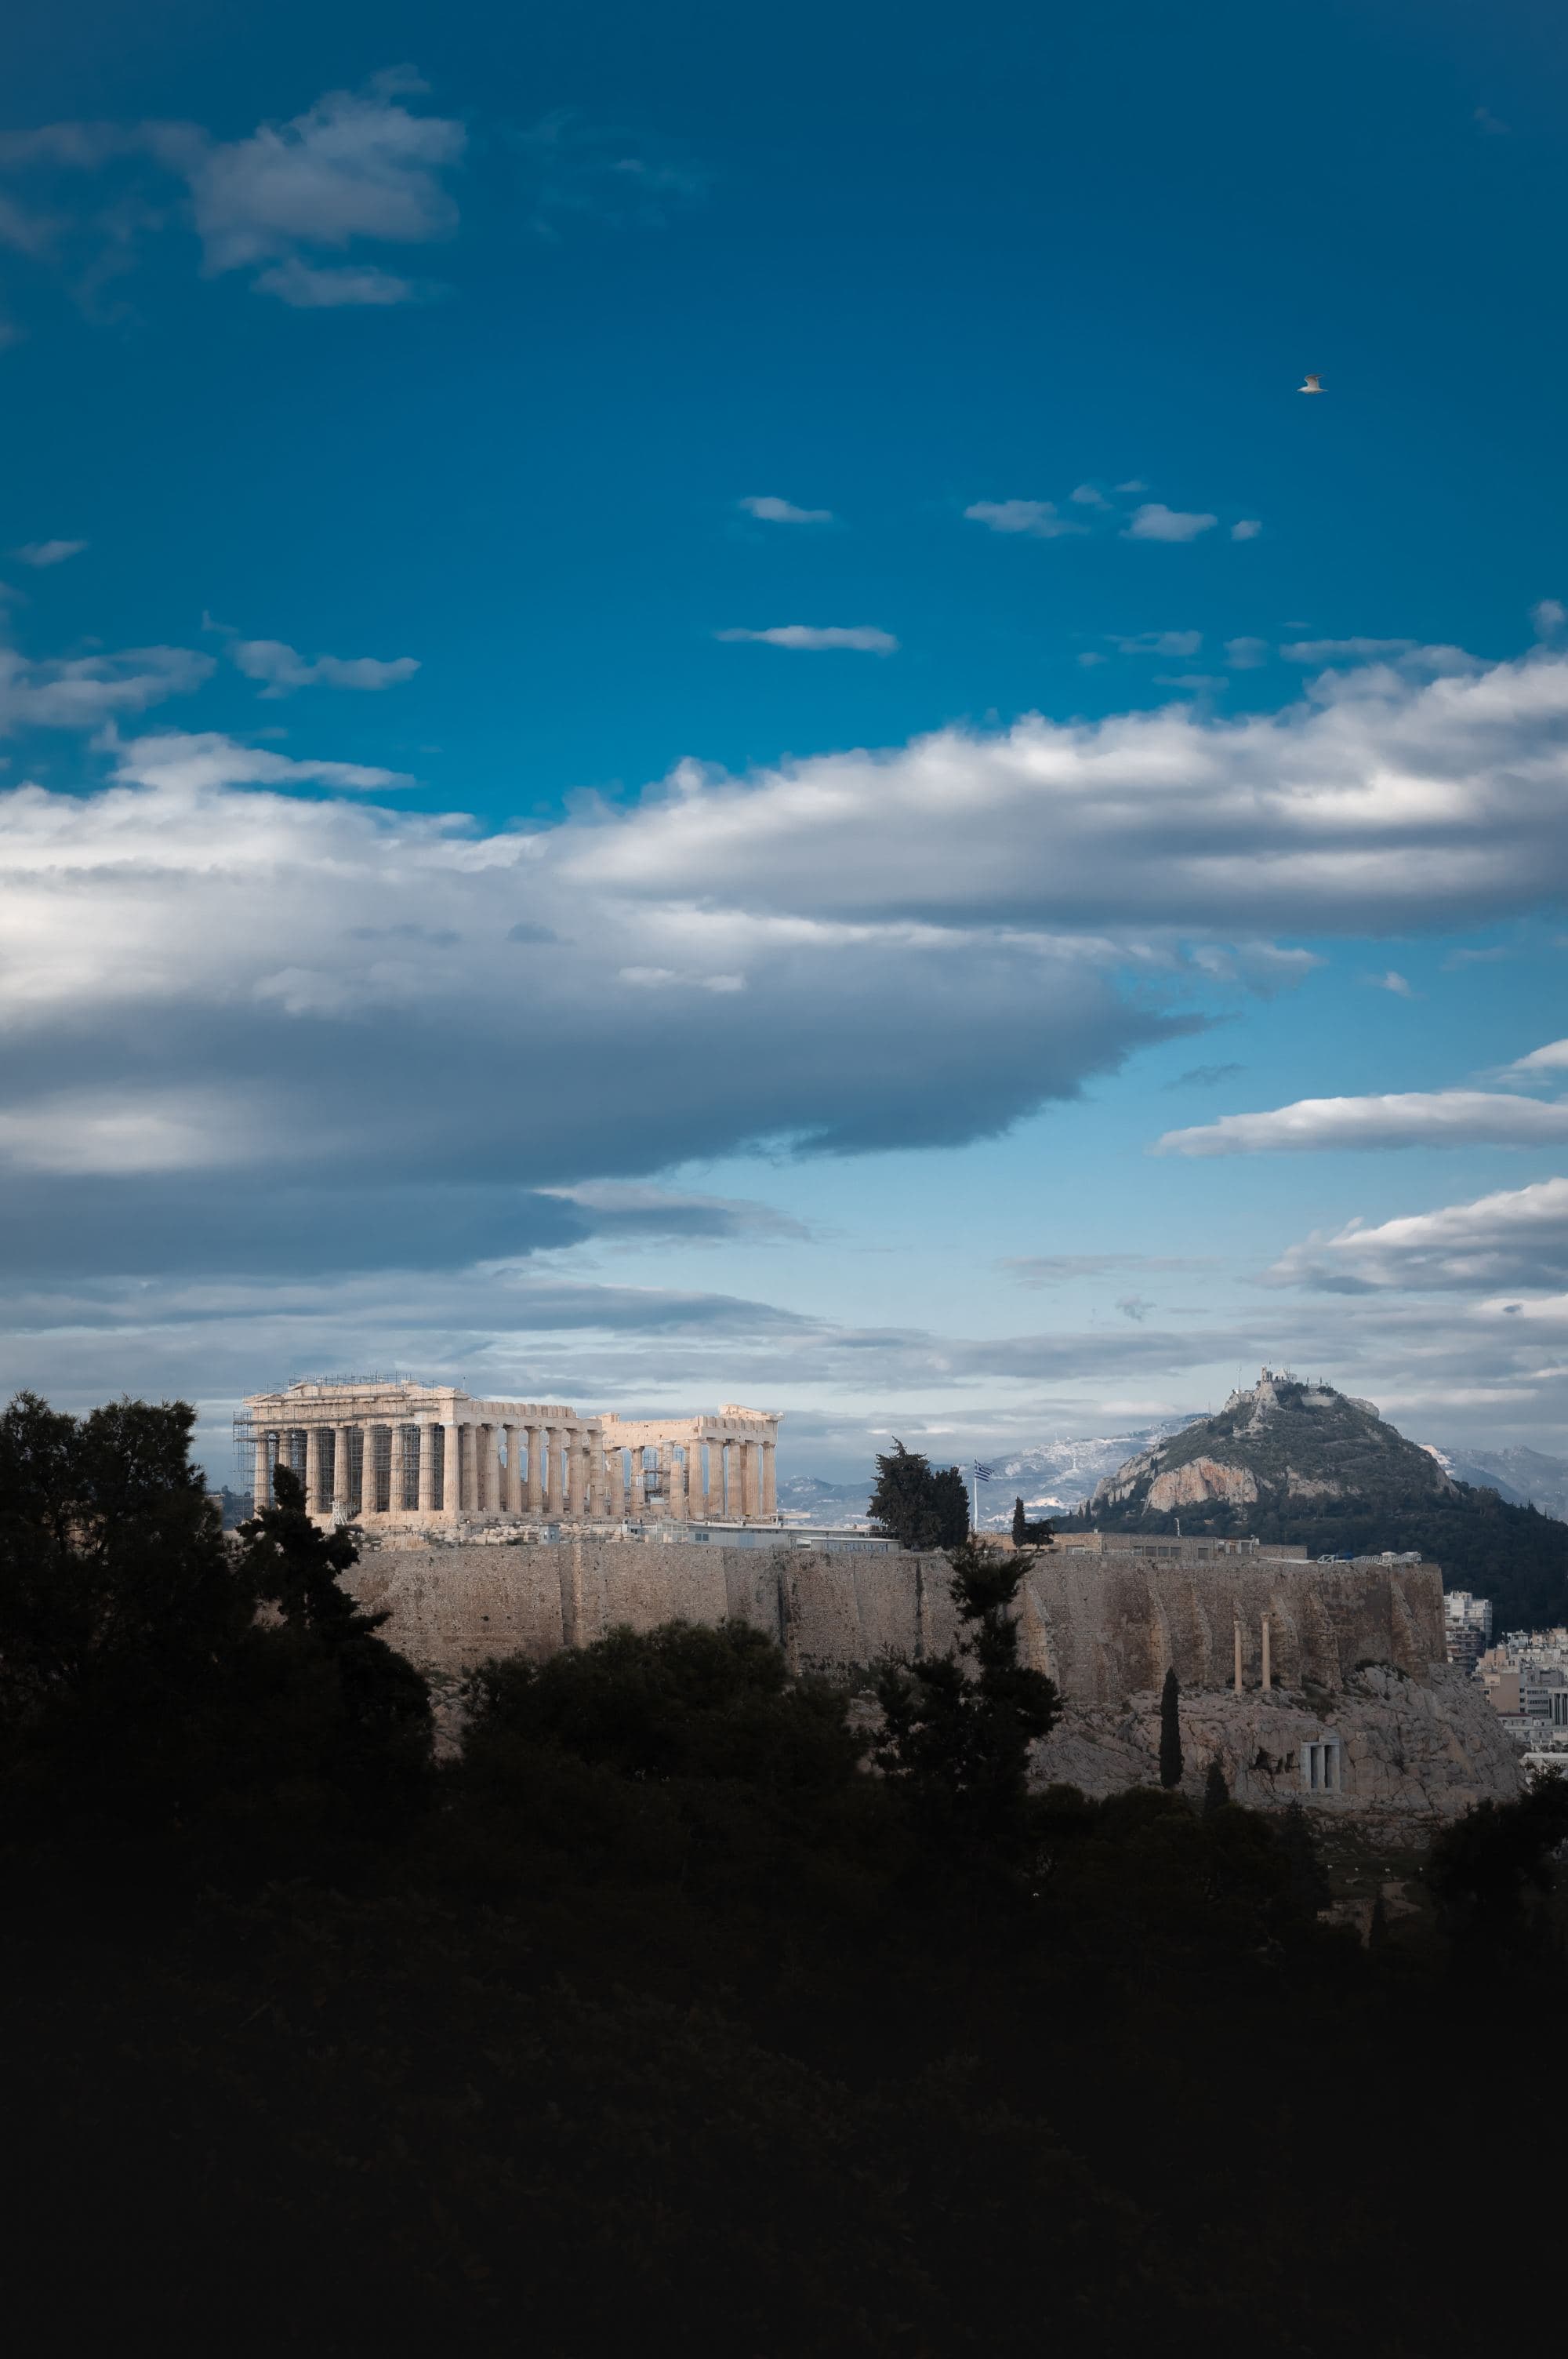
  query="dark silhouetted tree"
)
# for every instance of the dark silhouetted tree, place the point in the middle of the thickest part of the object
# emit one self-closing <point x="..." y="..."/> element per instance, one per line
<point x="957" y="1730"/>
<point x="917" y="1505"/>
<point x="1307" y="1884"/>
<point x="1019" y="1523"/>
<point x="1215" y="1792"/>
<point x="1171" y="1732"/>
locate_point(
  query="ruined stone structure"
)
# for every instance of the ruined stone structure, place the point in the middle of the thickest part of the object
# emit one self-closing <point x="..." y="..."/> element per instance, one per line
<point x="401" y="1456"/>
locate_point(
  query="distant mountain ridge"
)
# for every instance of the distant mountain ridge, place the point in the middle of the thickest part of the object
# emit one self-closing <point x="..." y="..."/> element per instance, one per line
<point x="1289" y="1461"/>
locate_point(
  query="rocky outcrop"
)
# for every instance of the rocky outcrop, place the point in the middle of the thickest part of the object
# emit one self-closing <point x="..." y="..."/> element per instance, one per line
<point x="1409" y="1749"/>
<point x="1199" y="1479"/>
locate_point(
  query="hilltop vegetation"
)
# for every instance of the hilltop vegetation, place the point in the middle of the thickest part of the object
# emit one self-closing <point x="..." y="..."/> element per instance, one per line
<point x="663" y="2014"/>
<point x="1291" y="1462"/>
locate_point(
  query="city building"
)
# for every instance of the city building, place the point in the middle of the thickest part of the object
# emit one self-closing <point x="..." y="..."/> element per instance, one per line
<point x="1467" y="1627"/>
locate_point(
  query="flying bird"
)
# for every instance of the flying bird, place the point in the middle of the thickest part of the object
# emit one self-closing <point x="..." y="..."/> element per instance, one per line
<point x="1313" y="385"/>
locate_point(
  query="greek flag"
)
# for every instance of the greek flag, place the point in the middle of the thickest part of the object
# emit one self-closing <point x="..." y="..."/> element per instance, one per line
<point x="984" y="1473"/>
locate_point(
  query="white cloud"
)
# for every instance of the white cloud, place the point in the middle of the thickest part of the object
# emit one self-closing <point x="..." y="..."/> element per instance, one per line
<point x="1136" y="484"/>
<point x="1392" y="981"/>
<point x="1515" y="1238"/>
<point x="84" y="691"/>
<point x="1312" y="651"/>
<point x="1246" y="655"/>
<point x="1197" y="679"/>
<point x="1412" y="1118"/>
<point x="357" y="166"/>
<point x="1547" y="614"/>
<point x="307" y="287"/>
<point x="769" y="510"/>
<point x="1155" y="521"/>
<point x="283" y="670"/>
<point x="663" y="978"/>
<point x="1038" y="518"/>
<point x="1552" y="1058"/>
<point x="1379" y="806"/>
<point x="1088" y="498"/>
<point x="1248" y="529"/>
<point x="49" y="552"/>
<point x="860" y="636"/>
<point x="188" y="767"/>
<point x="1159" y="643"/>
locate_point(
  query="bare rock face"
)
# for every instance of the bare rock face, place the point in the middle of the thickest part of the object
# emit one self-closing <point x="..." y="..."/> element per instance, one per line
<point x="1409" y="1749"/>
<point x="1199" y="1479"/>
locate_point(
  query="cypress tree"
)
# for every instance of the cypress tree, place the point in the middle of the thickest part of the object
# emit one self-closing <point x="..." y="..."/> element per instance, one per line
<point x="1215" y="1792"/>
<point x="1019" y="1525"/>
<point x="1170" y="1732"/>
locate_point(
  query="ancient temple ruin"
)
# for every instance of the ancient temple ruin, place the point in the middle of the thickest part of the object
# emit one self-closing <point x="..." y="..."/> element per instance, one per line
<point x="395" y="1454"/>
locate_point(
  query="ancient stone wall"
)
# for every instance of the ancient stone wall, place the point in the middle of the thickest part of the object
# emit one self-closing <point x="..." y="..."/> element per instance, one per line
<point x="1358" y="1649"/>
<point x="1104" y="1628"/>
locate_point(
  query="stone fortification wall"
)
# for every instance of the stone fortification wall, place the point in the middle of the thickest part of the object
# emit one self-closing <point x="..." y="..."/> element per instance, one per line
<point x="1358" y="1649"/>
<point x="1108" y="1626"/>
<point x="1104" y="1628"/>
<point x="450" y="1607"/>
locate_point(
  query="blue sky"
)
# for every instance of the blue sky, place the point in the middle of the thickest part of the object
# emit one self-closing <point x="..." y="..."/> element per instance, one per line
<point x="691" y="711"/>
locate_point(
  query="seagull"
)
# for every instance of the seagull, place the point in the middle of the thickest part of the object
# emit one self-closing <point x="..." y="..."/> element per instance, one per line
<point x="1313" y="385"/>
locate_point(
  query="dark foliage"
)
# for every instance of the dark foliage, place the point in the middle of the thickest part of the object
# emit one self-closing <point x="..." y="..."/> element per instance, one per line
<point x="957" y="1732"/>
<point x="140" y="1695"/>
<point x="1171" y="1763"/>
<point x="662" y="2015"/>
<point x="1215" y="1792"/>
<point x="919" y="1506"/>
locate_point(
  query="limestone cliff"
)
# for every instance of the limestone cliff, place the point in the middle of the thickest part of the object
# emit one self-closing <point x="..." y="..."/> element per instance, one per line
<point x="1409" y="1749"/>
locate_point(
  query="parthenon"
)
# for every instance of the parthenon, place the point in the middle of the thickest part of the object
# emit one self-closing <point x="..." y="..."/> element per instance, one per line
<point x="391" y="1453"/>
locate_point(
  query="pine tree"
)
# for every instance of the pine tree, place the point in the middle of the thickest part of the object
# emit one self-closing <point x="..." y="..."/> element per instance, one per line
<point x="1170" y="1732"/>
<point x="1215" y="1792"/>
<point x="918" y="1505"/>
<point x="1019" y="1525"/>
<point x="1306" y="1883"/>
<point x="957" y="1744"/>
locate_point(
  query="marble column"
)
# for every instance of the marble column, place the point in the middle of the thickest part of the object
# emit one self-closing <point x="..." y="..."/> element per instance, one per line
<point x="314" y="1501"/>
<point x="751" y="1488"/>
<point x="514" y="1499"/>
<point x="370" y="1489"/>
<point x="426" y="1469"/>
<point x="550" y="1440"/>
<point x="769" y="1479"/>
<point x="341" y="1469"/>
<point x="493" y="1469"/>
<point x="680" y="1486"/>
<point x="396" y="1475"/>
<point x="597" y="1478"/>
<point x="694" y="1501"/>
<point x="536" y="1471"/>
<point x="261" y="1492"/>
<point x="451" y="1473"/>
<point x="714" y="1477"/>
